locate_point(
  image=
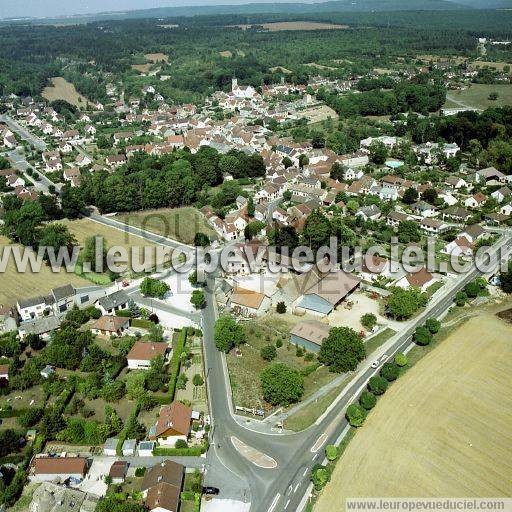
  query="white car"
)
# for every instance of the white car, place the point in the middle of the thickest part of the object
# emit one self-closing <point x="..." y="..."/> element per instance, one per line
<point x="375" y="364"/>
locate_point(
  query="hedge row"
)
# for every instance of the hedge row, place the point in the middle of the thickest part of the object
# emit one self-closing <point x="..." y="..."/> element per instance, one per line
<point x="195" y="451"/>
<point x="174" y="365"/>
<point x="122" y="434"/>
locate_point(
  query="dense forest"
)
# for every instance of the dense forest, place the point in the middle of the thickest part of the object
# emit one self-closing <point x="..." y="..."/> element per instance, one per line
<point x="91" y="54"/>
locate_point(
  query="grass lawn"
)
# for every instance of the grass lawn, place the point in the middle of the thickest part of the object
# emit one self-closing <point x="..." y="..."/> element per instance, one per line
<point x="438" y="426"/>
<point x="245" y="371"/>
<point x="15" y="285"/>
<point x="376" y="341"/>
<point x="477" y="96"/>
<point x="34" y="393"/>
<point x="178" y="223"/>
<point x="123" y="407"/>
<point x="305" y="417"/>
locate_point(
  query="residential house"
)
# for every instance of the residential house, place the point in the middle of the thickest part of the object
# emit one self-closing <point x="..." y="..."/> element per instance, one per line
<point x="161" y="487"/>
<point x="309" y="334"/>
<point x="63" y="298"/>
<point x="34" y="307"/>
<point x="490" y="176"/>
<point x="457" y="214"/>
<point x="82" y="160"/>
<point x="502" y="194"/>
<point x="423" y="209"/>
<point x="421" y="279"/>
<point x="117" y="301"/>
<point x="371" y="212"/>
<point x="374" y="266"/>
<point x="46" y="469"/>
<point x="460" y="247"/>
<point x="110" y="325"/>
<point x="394" y="218"/>
<point x="128" y="448"/>
<point x="115" y="160"/>
<point x="506" y="209"/>
<point x="118" y="471"/>
<point x="174" y="423"/>
<point x="141" y="354"/>
<point x="456" y="182"/>
<point x="433" y="226"/>
<point x="42" y="326"/>
<point x="474" y="233"/>
<point x="475" y="201"/>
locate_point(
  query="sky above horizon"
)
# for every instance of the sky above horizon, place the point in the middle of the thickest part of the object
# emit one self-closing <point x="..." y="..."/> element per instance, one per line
<point x="53" y="8"/>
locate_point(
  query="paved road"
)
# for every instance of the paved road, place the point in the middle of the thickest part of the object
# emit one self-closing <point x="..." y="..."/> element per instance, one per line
<point x="19" y="162"/>
<point x="25" y="134"/>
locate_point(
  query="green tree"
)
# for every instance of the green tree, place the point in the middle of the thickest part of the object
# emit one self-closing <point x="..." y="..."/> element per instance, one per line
<point x="281" y="307"/>
<point x="320" y="476"/>
<point x="422" y="336"/>
<point x="408" y="231"/>
<point x="402" y="304"/>
<point x="378" y="152"/>
<point x="433" y="325"/>
<point x="198" y="299"/>
<point x="201" y="240"/>
<point x="369" y="321"/>
<point x="151" y="287"/>
<point x="367" y="400"/>
<point x="281" y="384"/>
<point x="355" y="415"/>
<point x="197" y="380"/>
<point x="461" y="298"/>
<point x="342" y="350"/>
<point x="228" y="333"/>
<point x="317" y="230"/>
<point x="389" y="371"/>
<point x="377" y="385"/>
<point x="401" y="359"/>
<point x="268" y="352"/>
<point x="331" y="452"/>
<point x="410" y="196"/>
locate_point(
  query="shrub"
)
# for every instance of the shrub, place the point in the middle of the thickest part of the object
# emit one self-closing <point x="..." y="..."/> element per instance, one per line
<point x="279" y="343"/>
<point x="140" y="471"/>
<point x="369" y="321"/>
<point x="151" y="287"/>
<point x="197" y="380"/>
<point x="355" y="415"/>
<point x="180" y="443"/>
<point x="228" y="333"/>
<point x="367" y="400"/>
<point x="389" y="371"/>
<point x="422" y="336"/>
<point x="433" y="325"/>
<point x="331" y="452"/>
<point x="299" y="351"/>
<point x="400" y="359"/>
<point x="377" y="385"/>
<point x="268" y="352"/>
<point x="461" y="298"/>
<point x="281" y="308"/>
<point x="320" y="477"/>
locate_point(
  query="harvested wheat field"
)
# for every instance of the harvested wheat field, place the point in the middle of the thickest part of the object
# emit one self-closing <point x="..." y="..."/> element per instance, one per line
<point x="85" y="228"/>
<point x="156" y="57"/>
<point x="15" y="285"/>
<point x="61" y="89"/>
<point x="442" y="430"/>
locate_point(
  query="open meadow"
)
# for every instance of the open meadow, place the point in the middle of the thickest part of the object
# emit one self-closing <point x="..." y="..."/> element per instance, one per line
<point x="178" y="223"/>
<point x="477" y="96"/>
<point x="61" y="89"/>
<point x="443" y="428"/>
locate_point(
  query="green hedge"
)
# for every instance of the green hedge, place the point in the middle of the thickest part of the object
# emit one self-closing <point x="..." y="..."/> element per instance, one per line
<point x="196" y="451"/>
<point x="126" y="313"/>
<point x="12" y="413"/>
<point x="122" y="434"/>
<point x="143" y="324"/>
<point x="174" y="365"/>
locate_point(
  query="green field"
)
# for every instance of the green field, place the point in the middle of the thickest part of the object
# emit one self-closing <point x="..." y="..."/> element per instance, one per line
<point x="178" y="223"/>
<point x="477" y="96"/>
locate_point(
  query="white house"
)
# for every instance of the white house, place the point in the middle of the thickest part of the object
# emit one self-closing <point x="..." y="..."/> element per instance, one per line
<point x="32" y="308"/>
<point x="141" y="354"/>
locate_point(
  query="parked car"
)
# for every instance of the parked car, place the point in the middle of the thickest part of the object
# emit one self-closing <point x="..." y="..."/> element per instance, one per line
<point x="210" y="490"/>
<point x="375" y="364"/>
